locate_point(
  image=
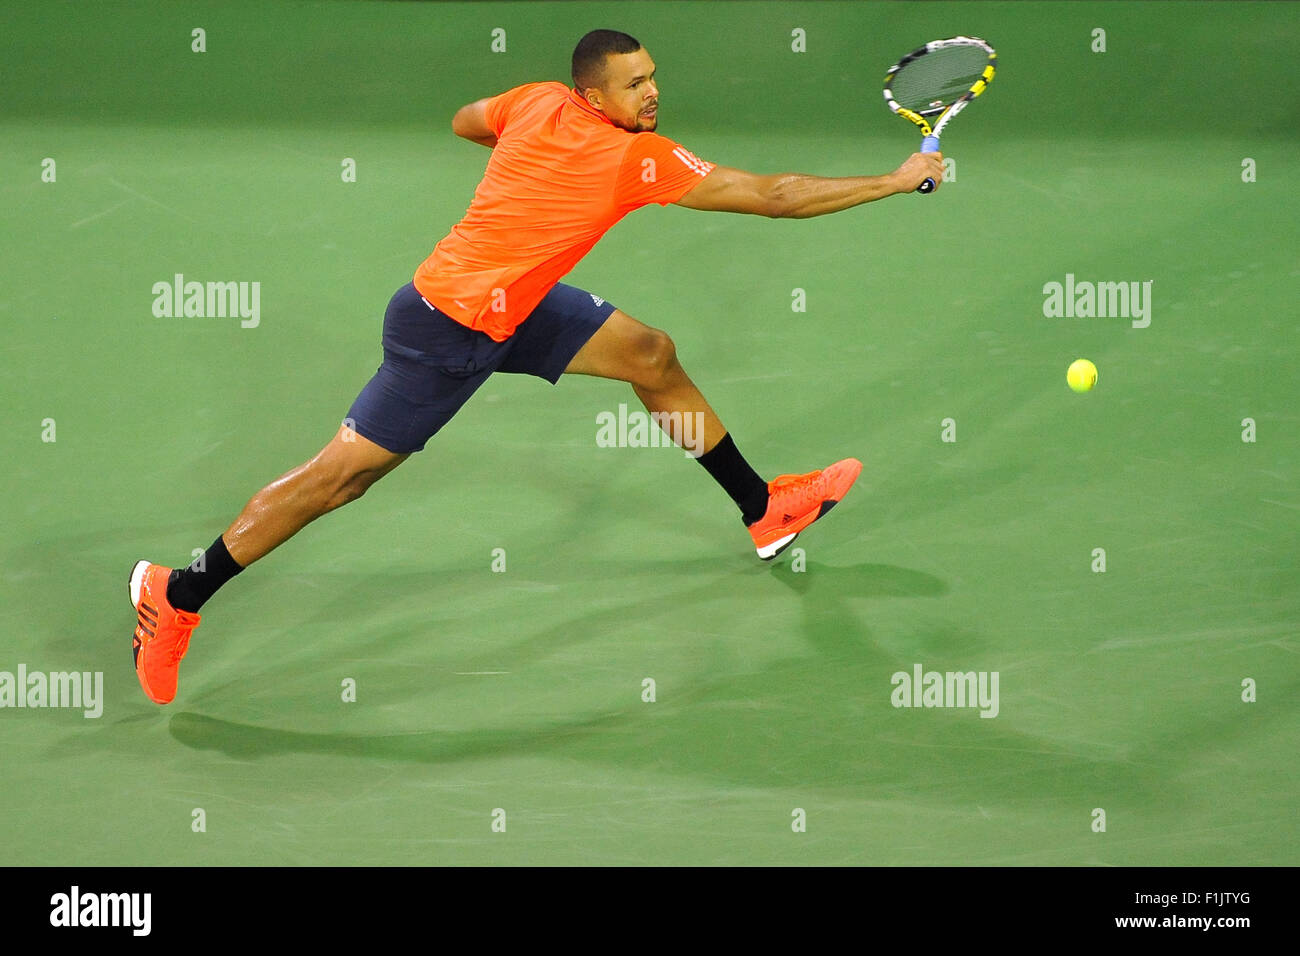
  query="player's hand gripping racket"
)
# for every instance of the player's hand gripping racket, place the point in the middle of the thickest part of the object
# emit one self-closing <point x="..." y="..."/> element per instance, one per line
<point x="931" y="85"/>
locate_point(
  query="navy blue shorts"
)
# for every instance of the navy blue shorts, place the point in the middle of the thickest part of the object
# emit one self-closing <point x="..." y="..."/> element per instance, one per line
<point x="433" y="364"/>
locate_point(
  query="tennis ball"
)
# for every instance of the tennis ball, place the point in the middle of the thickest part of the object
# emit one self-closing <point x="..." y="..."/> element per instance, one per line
<point x="1082" y="375"/>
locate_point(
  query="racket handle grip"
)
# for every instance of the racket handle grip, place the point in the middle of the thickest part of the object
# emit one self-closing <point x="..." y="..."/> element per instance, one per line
<point x="928" y="145"/>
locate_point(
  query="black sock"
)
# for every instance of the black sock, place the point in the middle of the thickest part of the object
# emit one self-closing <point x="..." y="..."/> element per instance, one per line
<point x="189" y="589"/>
<point x="729" y="469"/>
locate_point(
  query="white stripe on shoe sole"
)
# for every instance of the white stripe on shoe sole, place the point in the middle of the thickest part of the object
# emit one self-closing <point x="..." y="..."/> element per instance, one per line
<point x="769" y="551"/>
<point x="136" y="584"/>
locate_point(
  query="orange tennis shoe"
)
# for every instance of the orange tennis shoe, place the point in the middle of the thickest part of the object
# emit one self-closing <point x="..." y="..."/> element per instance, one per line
<point x="796" y="501"/>
<point x="162" y="632"/>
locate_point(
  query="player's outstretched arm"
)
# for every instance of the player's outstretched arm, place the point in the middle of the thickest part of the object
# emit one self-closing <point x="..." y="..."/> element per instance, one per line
<point x="470" y="122"/>
<point x="798" y="196"/>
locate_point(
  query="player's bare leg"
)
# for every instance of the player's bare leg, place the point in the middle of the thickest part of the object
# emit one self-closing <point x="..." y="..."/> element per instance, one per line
<point x="631" y="351"/>
<point x="341" y="472"/>
<point x="775" y="512"/>
<point x="167" y="601"/>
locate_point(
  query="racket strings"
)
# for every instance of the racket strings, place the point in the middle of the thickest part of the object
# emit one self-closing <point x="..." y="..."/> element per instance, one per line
<point x="937" y="80"/>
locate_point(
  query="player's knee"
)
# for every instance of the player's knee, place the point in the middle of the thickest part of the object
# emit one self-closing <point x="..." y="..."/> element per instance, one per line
<point x="334" y="483"/>
<point x="656" y="359"/>
<point x="349" y="489"/>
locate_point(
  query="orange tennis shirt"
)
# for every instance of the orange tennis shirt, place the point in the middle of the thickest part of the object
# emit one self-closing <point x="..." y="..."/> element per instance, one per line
<point x="559" y="177"/>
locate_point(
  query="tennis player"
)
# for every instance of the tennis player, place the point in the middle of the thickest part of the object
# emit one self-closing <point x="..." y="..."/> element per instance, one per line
<point x="566" y="165"/>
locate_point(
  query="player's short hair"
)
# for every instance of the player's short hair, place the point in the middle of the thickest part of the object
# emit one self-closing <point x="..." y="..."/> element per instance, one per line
<point x="589" y="55"/>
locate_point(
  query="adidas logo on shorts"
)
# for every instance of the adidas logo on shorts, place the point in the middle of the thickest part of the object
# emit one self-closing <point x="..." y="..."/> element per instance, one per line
<point x="595" y="298"/>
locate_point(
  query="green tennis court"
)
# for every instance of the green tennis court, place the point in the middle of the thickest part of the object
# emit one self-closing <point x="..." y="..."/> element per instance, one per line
<point x="505" y="604"/>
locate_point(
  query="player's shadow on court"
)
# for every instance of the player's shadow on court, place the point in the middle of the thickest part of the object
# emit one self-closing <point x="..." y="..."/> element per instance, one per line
<point x="836" y="603"/>
<point x="831" y="625"/>
<point x="859" y="580"/>
<point x="247" y="741"/>
<point x="822" y="718"/>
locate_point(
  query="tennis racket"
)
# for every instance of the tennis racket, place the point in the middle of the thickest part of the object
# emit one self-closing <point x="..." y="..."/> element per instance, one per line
<point x="933" y="84"/>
